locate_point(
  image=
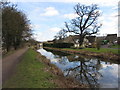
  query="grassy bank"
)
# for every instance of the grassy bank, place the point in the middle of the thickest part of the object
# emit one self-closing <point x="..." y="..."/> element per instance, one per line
<point x="30" y="74"/>
<point x="36" y="71"/>
<point x="110" y="54"/>
<point x="102" y="50"/>
<point x="115" y="46"/>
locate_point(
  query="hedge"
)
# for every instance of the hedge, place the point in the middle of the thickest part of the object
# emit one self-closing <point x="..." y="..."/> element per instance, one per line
<point x="58" y="45"/>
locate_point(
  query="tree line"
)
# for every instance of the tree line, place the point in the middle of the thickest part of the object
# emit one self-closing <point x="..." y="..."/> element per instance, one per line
<point x="15" y="26"/>
<point x="85" y="24"/>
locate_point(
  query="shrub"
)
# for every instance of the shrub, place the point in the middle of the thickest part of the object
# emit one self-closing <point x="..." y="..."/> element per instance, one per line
<point x="59" y="45"/>
<point x="47" y="45"/>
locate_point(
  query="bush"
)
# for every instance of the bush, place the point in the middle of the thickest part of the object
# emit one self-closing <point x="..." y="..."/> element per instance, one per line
<point x="59" y="45"/>
<point x="47" y="45"/>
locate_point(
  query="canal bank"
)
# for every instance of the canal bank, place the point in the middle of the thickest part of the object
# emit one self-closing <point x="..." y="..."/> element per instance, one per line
<point x="103" y="55"/>
<point x="94" y="72"/>
<point x="61" y="81"/>
<point x="36" y="71"/>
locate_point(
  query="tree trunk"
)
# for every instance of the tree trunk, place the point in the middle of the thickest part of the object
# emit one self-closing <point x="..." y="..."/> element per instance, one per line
<point x="81" y="38"/>
<point x="8" y="49"/>
<point x="15" y="47"/>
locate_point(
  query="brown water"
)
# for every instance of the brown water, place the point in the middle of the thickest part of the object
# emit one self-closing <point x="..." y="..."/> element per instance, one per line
<point x="92" y="71"/>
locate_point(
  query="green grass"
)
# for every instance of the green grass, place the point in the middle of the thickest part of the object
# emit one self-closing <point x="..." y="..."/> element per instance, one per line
<point x="30" y="74"/>
<point x="115" y="46"/>
<point x="102" y="50"/>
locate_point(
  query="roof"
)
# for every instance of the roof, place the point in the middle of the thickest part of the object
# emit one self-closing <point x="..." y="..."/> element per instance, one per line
<point x="91" y="38"/>
<point x="112" y="35"/>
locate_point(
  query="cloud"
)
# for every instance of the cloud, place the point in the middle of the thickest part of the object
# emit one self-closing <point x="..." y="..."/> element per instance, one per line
<point x="109" y="23"/>
<point x="99" y="2"/>
<point x="55" y="29"/>
<point x="35" y="26"/>
<point x="37" y="36"/>
<point x="88" y="2"/>
<point x="70" y="15"/>
<point x="109" y="20"/>
<point x="43" y="36"/>
<point x="50" y="11"/>
<point x="47" y="34"/>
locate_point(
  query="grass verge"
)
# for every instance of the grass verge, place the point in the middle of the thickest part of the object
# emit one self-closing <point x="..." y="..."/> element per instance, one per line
<point x="111" y="54"/>
<point x="102" y="50"/>
<point x="106" y="50"/>
<point x="30" y="74"/>
<point x="115" y="46"/>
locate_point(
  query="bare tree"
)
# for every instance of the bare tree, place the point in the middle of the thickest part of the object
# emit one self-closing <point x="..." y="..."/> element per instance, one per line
<point x="60" y="35"/>
<point x="15" y="26"/>
<point x="86" y="22"/>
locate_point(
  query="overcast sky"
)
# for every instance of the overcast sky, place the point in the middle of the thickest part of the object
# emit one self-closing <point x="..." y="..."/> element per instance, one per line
<point x="47" y="18"/>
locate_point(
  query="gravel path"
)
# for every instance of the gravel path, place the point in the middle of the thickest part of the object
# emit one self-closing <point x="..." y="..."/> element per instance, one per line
<point x="10" y="62"/>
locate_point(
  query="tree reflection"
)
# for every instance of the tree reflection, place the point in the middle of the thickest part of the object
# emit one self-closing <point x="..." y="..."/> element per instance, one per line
<point x="85" y="69"/>
<point x="86" y="72"/>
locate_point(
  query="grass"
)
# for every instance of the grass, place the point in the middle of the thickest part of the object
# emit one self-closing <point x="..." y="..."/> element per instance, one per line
<point x="102" y="50"/>
<point x="115" y="46"/>
<point x="30" y="74"/>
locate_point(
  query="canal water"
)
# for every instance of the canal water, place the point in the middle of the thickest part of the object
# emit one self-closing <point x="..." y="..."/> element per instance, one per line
<point x="91" y="71"/>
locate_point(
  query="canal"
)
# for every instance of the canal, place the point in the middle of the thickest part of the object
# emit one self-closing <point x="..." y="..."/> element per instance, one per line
<point x="86" y="70"/>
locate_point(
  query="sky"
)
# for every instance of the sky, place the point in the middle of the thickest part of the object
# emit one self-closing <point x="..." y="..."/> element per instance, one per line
<point x="47" y="17"/>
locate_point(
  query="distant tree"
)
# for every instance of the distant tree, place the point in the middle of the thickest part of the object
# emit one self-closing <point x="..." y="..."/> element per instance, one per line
<point x="15" y="26"/>
<point x="85" y="23"/>
<point x="60" y="35"/>
<point x="32" y="41"/>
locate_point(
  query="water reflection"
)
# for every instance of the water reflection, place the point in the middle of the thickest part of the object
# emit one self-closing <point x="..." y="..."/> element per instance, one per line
<point x="94" y="72"/>
<point x="86" y="72"/>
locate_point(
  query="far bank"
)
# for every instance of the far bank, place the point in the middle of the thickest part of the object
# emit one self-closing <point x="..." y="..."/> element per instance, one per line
<point x="102" y="53"/>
